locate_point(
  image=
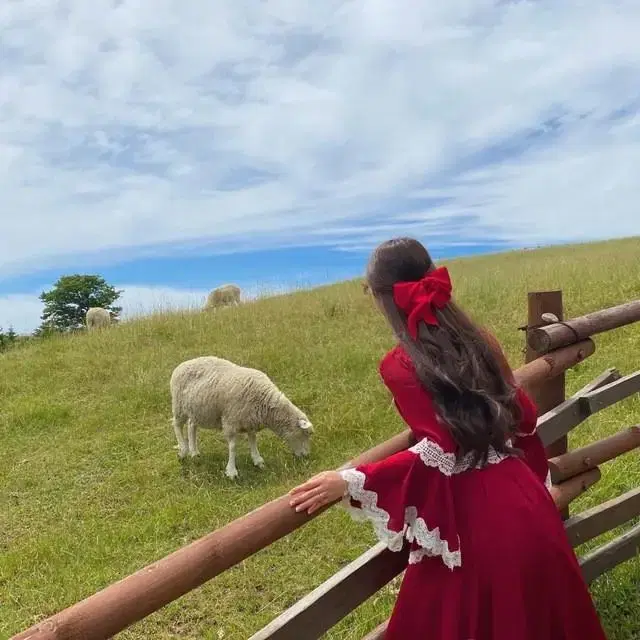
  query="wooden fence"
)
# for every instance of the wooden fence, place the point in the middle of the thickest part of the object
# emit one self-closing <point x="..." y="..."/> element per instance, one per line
<point x="553" y="346"/>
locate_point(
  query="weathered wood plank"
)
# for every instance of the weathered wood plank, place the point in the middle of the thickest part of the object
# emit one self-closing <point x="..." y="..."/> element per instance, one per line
<point x="557" y="422"/>
<point x="613" y="392"/>
<point x="608" y="375"/>
<point x="566" y="492"/>
<point x="326" y="605"/>
<point x="534" y="374"/>
<point x="610" y="555"/>
<point x="593" y="522"/>
<point x="546" y="338"/>
<point x="592" y="455"/>
<point x="378" y="632"/>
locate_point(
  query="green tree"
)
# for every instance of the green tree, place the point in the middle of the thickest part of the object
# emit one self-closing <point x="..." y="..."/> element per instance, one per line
<point x="66" y="304"/>
<point x="7" y="338"/>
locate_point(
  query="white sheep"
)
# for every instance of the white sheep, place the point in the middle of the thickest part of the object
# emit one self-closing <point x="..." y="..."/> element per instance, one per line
<point x="97" y="317"/>
<point x="214" y="393"/>
<point x="228" y="294"/>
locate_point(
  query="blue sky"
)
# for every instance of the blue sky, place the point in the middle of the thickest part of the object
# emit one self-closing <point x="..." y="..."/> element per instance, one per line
<point x="172" y="147"/>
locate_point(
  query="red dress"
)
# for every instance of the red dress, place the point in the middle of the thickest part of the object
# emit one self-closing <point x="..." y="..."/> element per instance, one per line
<point x="489" y="556"/>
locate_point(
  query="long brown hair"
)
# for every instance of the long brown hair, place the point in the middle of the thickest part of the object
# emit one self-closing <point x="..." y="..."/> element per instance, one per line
<point x="453" y="360"/>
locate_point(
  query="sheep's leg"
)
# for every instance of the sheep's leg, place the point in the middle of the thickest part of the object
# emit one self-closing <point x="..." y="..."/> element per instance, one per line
<point x="230" y="433"/>
<point x="183" y="447"/>
<point x="193" y="439"/>
<point x="231" y="471"/>
<point x="258" y="460"/>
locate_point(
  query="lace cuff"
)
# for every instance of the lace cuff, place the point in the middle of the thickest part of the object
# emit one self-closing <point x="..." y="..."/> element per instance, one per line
<point x="415" y="530"/>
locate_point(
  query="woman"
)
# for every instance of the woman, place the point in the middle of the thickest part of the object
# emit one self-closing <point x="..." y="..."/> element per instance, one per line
<point x="489" y="558"/>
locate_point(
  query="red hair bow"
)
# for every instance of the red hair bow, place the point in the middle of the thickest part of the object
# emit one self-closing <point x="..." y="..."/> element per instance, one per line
<point x="419" y="299"/>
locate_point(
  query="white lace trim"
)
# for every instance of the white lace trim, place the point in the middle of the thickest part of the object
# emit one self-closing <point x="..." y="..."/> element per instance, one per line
<point x="433" y="455"/>
<point x="415" y="528"/>
<point x="547" y="481"/>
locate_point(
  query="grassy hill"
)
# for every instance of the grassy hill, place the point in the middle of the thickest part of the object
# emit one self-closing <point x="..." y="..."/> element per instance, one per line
<point x="91" y="488"/>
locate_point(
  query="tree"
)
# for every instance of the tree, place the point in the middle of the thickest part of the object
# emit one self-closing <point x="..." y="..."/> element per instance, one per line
<point x="66" y="305"/>
<point x="7" y="338"/>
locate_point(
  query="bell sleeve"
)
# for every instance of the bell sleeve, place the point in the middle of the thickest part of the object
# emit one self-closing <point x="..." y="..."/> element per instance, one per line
<point x="406" y="501"/>
<point x="407" y="497"/>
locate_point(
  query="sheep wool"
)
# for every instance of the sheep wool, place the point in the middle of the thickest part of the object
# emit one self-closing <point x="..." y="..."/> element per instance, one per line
<point x="214" y="393"/>
<point x="97" y="317"/>
<point x="228" y="294"/>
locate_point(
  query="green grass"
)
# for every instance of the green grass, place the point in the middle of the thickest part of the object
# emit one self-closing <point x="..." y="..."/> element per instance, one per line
<point x="92" y="490"/>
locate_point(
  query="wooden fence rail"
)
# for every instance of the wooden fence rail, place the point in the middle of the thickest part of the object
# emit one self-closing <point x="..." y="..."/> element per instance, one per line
<point x="559" y="334"/>
<point x="593" y="455"/>
<point x="120" y="604"/>
<point x="609" y="555"/>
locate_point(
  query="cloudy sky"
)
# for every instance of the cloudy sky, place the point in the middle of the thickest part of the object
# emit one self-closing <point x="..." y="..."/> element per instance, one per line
<point x="174" y="146"/>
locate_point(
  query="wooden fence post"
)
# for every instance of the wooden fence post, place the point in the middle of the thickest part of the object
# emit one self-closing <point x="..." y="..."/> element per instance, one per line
<point x="552" y="392"/>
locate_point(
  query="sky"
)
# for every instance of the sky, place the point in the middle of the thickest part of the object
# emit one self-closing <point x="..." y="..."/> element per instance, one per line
<point x="172" y="146"/>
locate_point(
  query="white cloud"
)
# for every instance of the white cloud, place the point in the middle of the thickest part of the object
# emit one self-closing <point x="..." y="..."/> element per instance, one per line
<point x="20" y="311"/>
<point x="132" y="124"/>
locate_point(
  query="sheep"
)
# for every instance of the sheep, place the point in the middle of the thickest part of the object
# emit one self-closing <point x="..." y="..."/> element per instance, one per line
<point x="214" y="393"/>
<point x="366" y="289"/>
<point x="228" y="294"/>
<point x="97" y="317"/>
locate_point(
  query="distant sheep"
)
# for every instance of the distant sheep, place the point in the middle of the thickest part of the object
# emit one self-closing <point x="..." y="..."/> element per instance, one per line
<point x="228" y="294"/>
<point x="214" y="393"/>
<point x="97" y="317"/>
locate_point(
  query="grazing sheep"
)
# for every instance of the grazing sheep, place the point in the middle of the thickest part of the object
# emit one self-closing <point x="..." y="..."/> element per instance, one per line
<point x="228" y="294"/>
<point x="97" y="317"/>
<point x="214" y="393"/>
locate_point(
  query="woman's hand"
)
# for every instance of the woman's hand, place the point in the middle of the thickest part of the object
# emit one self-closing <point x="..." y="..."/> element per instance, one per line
<point x="322" y="489"/>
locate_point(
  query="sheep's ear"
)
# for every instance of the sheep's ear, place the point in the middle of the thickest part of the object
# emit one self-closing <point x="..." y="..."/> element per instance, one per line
<point x="305" y="425"/>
